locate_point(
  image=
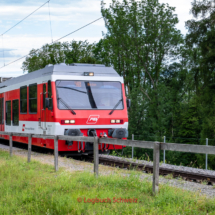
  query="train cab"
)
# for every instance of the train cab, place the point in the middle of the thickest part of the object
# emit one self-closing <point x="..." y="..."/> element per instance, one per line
<point x="75" y="100"/>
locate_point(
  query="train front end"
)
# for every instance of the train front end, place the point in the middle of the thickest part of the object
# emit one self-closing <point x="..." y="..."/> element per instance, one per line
<point x="89" y="100"/>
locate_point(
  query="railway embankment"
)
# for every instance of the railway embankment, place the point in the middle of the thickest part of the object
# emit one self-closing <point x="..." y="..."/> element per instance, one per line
<point x="35" y="188"/>
<point x="76" y="165"/>
<point x="80" y="166"/>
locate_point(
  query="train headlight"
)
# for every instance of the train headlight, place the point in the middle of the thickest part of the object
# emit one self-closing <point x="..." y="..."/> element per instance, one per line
<point x="116" y="121"/>
<point x="67" y="121"/>
<point x="88" y="73"/>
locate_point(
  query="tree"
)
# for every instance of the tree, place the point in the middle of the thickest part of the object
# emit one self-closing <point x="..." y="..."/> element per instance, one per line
<point x="201" y="39"/>
<point x="73" y="52"/>
<point x="142" y="40"/>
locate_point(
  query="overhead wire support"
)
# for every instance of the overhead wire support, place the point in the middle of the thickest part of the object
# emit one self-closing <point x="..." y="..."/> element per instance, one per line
<point x="53" y="42"/>
<point x="25" y="18"/>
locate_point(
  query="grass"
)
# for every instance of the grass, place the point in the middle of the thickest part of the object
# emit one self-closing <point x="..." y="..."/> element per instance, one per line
<point x="34" y="188"/>
<point x="169" y="176"/>
<point x="205" y="182"/>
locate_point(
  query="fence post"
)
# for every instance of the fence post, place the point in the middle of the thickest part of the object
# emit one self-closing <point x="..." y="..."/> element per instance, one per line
<point x="206" y="157"/>
<point x="132" y="147"/>
<point x="29" y="147"/>
<point x="11" y="144"/>
<point x="56" y="153"/>
<point x="164" y="152"/>
<point x="156" y="160"/>
<point x="96" y="156"/>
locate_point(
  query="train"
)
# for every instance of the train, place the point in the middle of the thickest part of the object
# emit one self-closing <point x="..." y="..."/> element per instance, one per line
<point x="76" y="100"/>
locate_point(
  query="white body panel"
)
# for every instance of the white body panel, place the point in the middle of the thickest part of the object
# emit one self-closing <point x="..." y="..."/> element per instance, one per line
<point x="54" y="128"/>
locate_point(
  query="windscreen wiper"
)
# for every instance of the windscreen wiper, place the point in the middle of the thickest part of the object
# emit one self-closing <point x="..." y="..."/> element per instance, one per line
<point x="115" y="106"/>
<point x="67" y="106"/>
<point x="90" y="95"/>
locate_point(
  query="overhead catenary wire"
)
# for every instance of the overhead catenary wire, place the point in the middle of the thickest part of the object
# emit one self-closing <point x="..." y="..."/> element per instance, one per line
<point x="3" y="50"/>
<point x="24" y="18"/>
<point x="50" y="22"/>
<point x="78" y="29"/>
<point x="53" y="42"/>
<point x="19" y="23"/>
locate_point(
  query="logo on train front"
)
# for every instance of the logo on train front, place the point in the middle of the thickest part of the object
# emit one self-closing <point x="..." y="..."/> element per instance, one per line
<point x="93" y="119"/>
<point x="23" y="127"/>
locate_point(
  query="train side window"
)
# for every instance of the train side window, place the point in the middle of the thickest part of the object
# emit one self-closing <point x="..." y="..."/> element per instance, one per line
<point x="33" y="98"/>
<point x="8" y="112"/>
<point x="23" y="99"/>
<point x="0" y="110"/>
<point x="44" y="95"/>
<point x="15" y="112"/>
<point x="50" y="95"/>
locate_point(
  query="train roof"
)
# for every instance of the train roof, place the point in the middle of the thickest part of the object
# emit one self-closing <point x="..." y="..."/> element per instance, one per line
<point x="74" y="69"/>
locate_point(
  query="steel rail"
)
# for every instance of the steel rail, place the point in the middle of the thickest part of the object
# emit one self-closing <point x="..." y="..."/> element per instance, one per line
<point x="197" y="177"/>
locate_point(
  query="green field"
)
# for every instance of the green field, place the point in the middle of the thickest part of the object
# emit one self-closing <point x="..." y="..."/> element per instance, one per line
<point x="35" y="188"/>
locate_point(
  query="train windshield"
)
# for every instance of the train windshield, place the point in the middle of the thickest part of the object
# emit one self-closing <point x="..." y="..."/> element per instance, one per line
<point x="89" y="95"/>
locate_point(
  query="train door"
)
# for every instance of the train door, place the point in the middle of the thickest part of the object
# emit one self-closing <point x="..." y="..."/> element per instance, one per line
<point x="46" y="107"/>
<point x="49" y="109"/>
<point x="42" y="108"/>
<point x="1" y="113"/>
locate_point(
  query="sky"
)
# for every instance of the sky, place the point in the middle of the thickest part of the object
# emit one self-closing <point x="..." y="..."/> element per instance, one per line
<point x="66" y="16"/>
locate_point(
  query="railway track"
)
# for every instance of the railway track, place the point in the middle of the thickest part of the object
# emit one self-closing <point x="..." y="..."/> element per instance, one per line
<point x="195" y="177"/>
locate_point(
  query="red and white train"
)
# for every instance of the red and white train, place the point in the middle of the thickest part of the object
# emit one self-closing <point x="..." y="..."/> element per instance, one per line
<point x="76" y="99"/>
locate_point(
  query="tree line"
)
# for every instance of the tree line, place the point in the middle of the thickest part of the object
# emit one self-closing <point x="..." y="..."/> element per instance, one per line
<point x="169" y="77"/>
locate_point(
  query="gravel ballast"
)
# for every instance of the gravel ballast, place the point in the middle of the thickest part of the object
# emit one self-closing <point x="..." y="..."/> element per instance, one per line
<point x="168" y="166"/>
